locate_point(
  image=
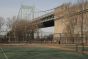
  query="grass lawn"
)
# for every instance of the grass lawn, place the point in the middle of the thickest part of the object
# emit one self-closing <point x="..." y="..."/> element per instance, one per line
<point x="39" y="53"/>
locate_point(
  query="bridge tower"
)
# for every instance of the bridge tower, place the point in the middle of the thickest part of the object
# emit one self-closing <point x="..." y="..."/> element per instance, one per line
<point x="26" y="12"/>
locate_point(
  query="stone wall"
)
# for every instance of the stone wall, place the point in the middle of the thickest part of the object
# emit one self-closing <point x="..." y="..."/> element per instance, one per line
<point x="63" y="23"/>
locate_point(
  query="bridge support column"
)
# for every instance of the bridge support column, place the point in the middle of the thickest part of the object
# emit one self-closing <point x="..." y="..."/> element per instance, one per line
<point x="59" y="22"/>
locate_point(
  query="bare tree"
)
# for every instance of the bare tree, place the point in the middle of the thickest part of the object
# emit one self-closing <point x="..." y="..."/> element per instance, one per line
<point x="23" y="30"/>
<point x="77" y="21"/>
<point x="1" y="21"/>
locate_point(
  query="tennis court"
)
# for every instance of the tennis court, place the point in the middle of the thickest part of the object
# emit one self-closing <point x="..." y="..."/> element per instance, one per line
<point x="15" y="52"/>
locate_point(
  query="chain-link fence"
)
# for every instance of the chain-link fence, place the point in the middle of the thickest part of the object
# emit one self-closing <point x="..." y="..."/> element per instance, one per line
<point x="26" y="38"/>
<point x="76" y="42"/>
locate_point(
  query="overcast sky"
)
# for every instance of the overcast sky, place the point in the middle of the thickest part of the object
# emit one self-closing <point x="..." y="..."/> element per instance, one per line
<point x="9" y="8"/>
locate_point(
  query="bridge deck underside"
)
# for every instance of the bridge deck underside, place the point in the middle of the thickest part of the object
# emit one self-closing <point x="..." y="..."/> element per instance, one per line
<point x="48" y="24"/>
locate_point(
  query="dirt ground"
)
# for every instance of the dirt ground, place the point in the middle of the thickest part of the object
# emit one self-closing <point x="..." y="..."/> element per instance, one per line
<point x="25" y="45"/>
